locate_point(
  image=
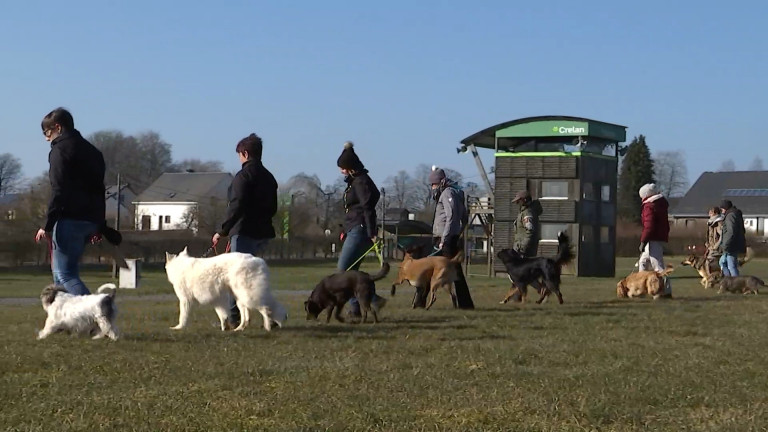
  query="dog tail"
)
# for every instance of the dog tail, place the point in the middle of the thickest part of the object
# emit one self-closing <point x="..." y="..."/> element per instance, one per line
<point x="458" y="258"/>
<point x="382" y="273"/>
<point x="747" y="256"/>
<point x="670" y="268"/>
<point x="564" y="252"/>
<point x="109" y="289"/>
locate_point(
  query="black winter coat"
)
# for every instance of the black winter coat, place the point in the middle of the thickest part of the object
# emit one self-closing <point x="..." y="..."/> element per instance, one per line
<point x="360" y="199"/>
<point x="252" y="202"/>
<point x="77" y="180"/>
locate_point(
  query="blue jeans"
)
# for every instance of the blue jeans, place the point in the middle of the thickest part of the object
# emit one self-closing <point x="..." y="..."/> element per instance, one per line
<point x="69" y="239"/>
<point x="729" y="264"/>
<point x="356" y="243"/>
<point x="243" y="244"/>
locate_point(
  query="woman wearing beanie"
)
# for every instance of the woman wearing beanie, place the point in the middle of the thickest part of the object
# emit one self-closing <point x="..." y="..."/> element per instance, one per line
<point x="655" y="233"/>
<point x="360" y="199"/>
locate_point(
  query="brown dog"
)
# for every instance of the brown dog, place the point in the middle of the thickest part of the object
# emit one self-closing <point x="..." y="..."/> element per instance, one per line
<point x="430" y="273"/>
<point x="642" y="283"/>
<point x="710" y="274"/>
<point x="740" y="284"/>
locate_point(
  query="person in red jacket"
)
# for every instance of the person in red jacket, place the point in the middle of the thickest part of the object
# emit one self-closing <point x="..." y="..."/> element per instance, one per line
<point x="655" y="218"/>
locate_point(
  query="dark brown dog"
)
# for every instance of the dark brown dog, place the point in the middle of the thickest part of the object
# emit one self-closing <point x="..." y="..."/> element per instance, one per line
<point x="334" y="291"/>
<point x="740" y="284"/>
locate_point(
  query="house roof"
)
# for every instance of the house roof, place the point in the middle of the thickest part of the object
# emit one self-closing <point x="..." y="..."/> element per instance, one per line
<point x="186" y="187"/>
<point x="748" y="190"/>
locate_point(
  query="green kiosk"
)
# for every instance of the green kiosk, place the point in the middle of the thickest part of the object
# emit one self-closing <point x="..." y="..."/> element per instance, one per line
<point x="570" y="165"/>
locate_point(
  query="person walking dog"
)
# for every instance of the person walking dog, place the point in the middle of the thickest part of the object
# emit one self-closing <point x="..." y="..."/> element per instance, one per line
<point x="449" y="222"/>
<point x="76" y="211"/>
<point x="251" y="204"/>
<point x="734" y="240"/>
<point x="360" y="231"/>
<point x="655" y="220"/>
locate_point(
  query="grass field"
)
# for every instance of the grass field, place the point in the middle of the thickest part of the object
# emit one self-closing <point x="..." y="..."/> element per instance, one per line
<point x="597" y="363"/>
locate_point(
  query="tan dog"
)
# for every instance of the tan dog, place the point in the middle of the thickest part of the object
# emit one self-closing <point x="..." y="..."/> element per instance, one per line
<point x="643" y="282"/>
<point x="430" y="273"/>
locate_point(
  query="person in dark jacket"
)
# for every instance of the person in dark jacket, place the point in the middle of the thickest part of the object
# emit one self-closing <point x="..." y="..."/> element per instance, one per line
<point x="655" y="219"/>
<point x="76" y="211"/>
<point x="360" y="230"/>
<point x="734" y="239"/>
<point x="251" y="204"/>
<point x="448" y="225"/>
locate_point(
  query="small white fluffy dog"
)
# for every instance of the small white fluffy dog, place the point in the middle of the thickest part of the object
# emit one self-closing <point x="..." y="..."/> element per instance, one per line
<point x="212" y="281"/>
<point x="80" y="314"/>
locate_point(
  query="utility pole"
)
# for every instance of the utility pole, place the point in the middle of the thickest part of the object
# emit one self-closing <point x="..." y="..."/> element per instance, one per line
<point x="119" y="198"/>
<point x="383" y="214"/>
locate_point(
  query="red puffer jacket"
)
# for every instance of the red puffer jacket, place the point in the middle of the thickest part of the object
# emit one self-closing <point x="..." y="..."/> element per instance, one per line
<point x="655" y="219"/>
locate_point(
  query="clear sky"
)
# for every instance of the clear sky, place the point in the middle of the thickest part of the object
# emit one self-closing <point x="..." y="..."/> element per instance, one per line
<point x="405" y="80"/>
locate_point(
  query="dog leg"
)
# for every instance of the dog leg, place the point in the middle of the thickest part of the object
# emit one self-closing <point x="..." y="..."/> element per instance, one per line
<point x="330" y="311"/>
<point x="512" y="290"/>
<point x="222" y="311"/>
<point x="183" y="315"/>
<point x="102" y="326"/>
<point x="337" y="315"/>
<point x="47" y="330"/>
<point x="244" y="317"/>
<point x="432" y="297"/>
<point x="265" y="313"/>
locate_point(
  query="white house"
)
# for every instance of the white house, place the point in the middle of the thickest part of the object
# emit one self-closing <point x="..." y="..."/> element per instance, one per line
<point x="167" y="203"/>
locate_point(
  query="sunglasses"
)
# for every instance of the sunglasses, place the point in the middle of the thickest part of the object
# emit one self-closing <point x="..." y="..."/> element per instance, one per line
<point x="48" y="132"/>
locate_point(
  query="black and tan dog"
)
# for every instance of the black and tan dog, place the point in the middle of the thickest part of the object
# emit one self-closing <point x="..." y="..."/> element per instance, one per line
<point x="536" y="270"/>
<point x="334" y="291"/>
<point x="740" y="284"/>
<point x="711" y="274"/>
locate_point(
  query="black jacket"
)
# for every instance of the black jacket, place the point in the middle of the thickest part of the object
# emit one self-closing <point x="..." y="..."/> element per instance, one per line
<point x="252" y="202"/>
<point x="733" y="240"/>
<point x="360" y="200"/>
<point x="77" y="180"/>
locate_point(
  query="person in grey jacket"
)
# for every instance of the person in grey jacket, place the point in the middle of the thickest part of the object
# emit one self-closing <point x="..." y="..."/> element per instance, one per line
<point x="734" y="239"/>
<point x="449" y="222"/>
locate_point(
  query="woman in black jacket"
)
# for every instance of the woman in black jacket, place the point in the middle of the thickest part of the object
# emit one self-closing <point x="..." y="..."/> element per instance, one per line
<point x="360" y="230"/>
<point x="77" y="207"/>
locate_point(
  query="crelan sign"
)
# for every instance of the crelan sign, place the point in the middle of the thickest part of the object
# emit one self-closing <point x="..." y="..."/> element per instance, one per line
<point x="569" y="130"/>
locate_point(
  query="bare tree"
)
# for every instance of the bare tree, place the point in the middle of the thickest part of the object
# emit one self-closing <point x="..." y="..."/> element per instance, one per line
<point x="10" y="173"/>
<point x="671" y="173"/>
<point x="756" y="164"/>
<point x="402" y="191"/>
<point x="155" y="154"/>
<point x="727" y="165"/>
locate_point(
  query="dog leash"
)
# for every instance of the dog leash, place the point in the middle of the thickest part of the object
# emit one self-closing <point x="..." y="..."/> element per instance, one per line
<point x="377" y="248"/>
<point x="435" y="251"/>
<point x="211" y="251"/>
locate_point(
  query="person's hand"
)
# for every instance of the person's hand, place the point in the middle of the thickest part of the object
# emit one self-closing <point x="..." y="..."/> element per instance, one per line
<point x="41" y="234"/>
<point x="642" y="246"/>
<point x="440" y="246"/>
<point x="96" y="238"/>
<point x="374" y="239"/>
<point x="215" y="239"/>
<point x="342" y="236"/>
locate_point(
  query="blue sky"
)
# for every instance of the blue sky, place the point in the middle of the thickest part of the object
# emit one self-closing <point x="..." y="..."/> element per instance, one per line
<point x="405" y="80"/>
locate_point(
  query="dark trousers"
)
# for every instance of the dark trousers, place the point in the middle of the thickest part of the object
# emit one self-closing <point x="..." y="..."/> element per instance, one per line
<point x="451" y="247"/>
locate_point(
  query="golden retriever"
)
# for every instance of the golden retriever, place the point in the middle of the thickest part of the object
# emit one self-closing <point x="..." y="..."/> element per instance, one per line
<point x="643" y="282"/>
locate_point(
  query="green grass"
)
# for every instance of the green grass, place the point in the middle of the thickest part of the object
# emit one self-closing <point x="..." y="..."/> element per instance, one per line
<point x="694" y="363"/>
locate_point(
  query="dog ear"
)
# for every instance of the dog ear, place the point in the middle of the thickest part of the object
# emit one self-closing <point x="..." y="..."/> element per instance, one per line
<point x="49" y="293"/>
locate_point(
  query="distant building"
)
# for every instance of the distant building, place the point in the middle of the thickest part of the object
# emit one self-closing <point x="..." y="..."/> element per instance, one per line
<point x="748" y="190"/>
<point x="167" y="203"/>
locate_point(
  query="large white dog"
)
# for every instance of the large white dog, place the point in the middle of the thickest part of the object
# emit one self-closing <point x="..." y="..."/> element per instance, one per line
<point x="80" y="314"/>
<point x="211" y="281"/>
